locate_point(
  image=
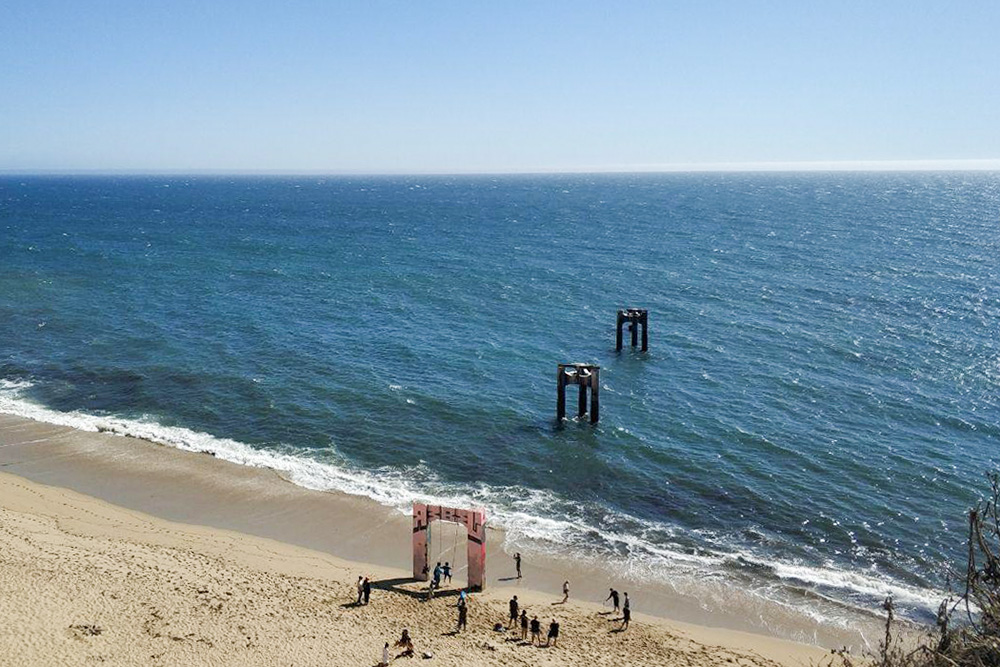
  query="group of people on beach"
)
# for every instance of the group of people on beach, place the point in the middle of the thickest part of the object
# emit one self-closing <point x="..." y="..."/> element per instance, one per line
<point x="441" y="573"/>
<point x="626" y="610"/>
<point x="517" y="617"/>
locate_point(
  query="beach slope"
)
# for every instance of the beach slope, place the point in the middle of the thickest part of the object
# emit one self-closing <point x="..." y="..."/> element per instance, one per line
<point x="83" y="582"/>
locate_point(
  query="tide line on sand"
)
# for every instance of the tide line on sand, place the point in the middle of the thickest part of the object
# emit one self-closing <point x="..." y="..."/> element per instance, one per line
<point x="93" y="581"/>
<point x="520" y="521"/>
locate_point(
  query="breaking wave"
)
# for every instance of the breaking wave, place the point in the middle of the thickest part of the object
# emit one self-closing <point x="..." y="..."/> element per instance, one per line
<point x="539" y="520"/>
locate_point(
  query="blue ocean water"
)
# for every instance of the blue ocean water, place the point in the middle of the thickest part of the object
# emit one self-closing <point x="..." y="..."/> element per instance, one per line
<point x="816" y="412"/>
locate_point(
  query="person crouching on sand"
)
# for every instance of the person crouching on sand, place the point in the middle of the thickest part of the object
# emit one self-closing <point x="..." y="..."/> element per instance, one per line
<point x="406" y="644"/>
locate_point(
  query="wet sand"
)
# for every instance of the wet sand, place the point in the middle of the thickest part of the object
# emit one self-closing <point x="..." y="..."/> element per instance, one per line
<point x="224" y="501"/>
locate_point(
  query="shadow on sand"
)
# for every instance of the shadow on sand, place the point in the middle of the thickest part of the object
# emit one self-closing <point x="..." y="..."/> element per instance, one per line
<point x="397" y="586"/>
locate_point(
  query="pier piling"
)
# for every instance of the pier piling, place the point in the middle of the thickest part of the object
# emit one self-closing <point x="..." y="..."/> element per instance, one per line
<point x="636" y="318"/>
<point x="585" y="376"/>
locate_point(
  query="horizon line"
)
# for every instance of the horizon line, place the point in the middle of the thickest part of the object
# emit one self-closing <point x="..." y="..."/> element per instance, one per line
<point x="992" y="164"/>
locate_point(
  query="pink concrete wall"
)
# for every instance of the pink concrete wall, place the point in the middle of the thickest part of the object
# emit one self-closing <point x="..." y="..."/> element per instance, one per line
<point x="475" y="526"/>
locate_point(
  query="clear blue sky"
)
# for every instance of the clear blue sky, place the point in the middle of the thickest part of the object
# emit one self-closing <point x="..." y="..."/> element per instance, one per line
<point x="378" y="85"/>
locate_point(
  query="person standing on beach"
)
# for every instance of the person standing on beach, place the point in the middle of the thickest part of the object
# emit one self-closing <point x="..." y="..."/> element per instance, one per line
<point x="385" y="656"/>
<point x="517" y="563"/>
<point x="524" y="625"/>
<point x="626" y="615"/>
<point x="367" y="589"/>
<point x="565" y="592"/>
<point x="446" y="571"/>
<point x="361" y="590"/>
<point x="513" y="611"/>
<point x="463" y="617"/>
<point x="437" y="576"/>
<point x="613" y="596"/>
<point x="553" y="633"/>
<point x="536" y="631"/>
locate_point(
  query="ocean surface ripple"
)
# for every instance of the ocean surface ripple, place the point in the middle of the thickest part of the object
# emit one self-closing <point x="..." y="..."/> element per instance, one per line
<point x="814" y="417"/>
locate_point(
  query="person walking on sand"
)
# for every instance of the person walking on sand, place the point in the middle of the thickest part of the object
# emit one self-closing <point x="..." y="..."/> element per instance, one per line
<point x="385" y="656"/>
<point x="613" y="596"/>
<point x="553" y="633"/>
<point x="446" y="572"/>
<point x="366" y="588"/>
<point x="463" y="617"/>
<point x="536" y="631"/>
<point x="524" y="625"/>
<point x="513" y="611"/>
<point x="406" y="643"/>
<point x="626" y="616"/>
<point x="565" y="592"/>
<point x="517" y="563"/>
<point x="437" y="576"/>
<point x="361" y="589"/>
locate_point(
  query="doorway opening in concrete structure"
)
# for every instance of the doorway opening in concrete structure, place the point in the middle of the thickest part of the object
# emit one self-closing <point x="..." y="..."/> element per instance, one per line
<point x="427" y="553"/>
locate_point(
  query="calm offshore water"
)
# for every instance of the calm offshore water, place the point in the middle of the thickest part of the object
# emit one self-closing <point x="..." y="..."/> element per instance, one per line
<point x="815" y="414"/>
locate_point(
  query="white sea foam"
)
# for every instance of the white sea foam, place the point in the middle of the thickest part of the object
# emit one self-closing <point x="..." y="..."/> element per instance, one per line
<point x="857" y="582"/>
<point x="622" y="541"/>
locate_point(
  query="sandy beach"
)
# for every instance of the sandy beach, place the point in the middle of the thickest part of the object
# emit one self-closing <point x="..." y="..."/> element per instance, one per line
<point x="84" y="580"/>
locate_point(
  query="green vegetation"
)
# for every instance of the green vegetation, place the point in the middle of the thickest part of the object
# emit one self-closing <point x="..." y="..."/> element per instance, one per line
<point x="968" y="623"/>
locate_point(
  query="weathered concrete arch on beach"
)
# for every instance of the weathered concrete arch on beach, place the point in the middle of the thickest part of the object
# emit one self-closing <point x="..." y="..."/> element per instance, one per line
<point x="475" y="527"/>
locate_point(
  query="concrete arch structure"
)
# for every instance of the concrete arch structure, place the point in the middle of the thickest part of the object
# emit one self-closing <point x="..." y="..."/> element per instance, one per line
<point x="475" y="526"/>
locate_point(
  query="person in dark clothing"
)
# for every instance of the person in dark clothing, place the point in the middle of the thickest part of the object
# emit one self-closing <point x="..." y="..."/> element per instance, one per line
<point x="536" y="631"/>
<point x="463" y="617"/>
<point x="613" y="597"/>
<point x="524" y="625"/>
<point x="626" y="617"/>
<point x="513" y="611"/>
<point x="553" y="633"/>
<point x="517" y="563"/>
<point x="367" y="588"/>
<point x="446" y="572"/>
